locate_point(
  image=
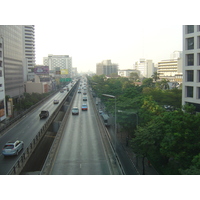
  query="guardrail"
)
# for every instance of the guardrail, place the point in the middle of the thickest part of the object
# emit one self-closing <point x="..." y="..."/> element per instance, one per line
<point x="46" y="170"/>
<point x="104" y="131"/>
<point x="20" y="163"/>
<point x="18" y="117"/>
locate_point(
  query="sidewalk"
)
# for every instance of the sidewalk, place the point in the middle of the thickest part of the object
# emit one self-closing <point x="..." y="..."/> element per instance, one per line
<point x="149" y="169"/>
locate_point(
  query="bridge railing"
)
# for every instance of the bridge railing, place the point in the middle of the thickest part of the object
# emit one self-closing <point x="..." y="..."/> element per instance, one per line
<point x="20" y="163"/>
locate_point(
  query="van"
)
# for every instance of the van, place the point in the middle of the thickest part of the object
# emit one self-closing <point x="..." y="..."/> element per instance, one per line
<point x="106" y="119"/>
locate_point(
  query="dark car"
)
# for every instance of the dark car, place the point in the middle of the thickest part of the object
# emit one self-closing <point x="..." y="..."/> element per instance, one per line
<point x="44" y="114"/>
<point x="56" y="101"/>
<point x="84" y="98"/>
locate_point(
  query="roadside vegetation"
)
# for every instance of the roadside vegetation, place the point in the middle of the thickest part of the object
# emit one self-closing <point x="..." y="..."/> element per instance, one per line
<point x="29" y="100"/>
<point x="152" y="115"/>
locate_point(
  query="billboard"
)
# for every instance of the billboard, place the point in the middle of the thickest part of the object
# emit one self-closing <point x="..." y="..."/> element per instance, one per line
<point x="39" y="70"/>
<point x="64" y="71"/>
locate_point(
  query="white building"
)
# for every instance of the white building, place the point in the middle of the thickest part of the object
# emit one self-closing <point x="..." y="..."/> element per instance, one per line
<point x="191" y="65"/>
<point x="168" y="69"/>
<point x="61" y="61"/>
<point x="146" y="67"/>
<point x="126" y="72"/>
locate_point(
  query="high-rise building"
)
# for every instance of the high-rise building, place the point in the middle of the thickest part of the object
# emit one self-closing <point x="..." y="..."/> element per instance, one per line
<point x="191" y="66"/>
<point x="61" y="61"/>
<point x="29" y="51"/>
<point x="2" y="85"/>
<point x="106" y="68"/>
<point x="13" y="56"/>
<point x="146" y="67"/>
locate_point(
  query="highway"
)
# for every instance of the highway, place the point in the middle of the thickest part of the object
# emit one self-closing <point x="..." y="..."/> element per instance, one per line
<point x="81" y="150"/>
<point x="26" y="129"/>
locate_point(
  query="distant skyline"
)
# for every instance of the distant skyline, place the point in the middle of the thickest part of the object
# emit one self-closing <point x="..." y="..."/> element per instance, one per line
<point x="91" y="31"/>
<point x="123" y="47"/>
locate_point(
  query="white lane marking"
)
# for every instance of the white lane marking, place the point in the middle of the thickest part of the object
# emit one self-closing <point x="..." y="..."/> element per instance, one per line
<point x="80" y="165"/>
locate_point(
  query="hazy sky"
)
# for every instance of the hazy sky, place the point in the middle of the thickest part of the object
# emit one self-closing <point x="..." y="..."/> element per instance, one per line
<point x="90" y="31"/>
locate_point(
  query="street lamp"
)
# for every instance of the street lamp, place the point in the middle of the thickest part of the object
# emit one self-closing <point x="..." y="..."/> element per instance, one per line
<point x="114" y="97"/>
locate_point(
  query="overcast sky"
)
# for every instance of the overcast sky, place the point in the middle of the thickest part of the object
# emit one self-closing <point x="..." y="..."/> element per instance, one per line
<point x="90" y="31"/>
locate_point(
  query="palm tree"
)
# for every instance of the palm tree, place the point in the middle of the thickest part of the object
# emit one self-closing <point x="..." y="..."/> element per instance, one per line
<point x="164" y="84"/>
<point x="155" y="76"/>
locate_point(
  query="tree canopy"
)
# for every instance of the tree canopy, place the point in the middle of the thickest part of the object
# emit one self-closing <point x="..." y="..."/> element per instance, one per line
<point x="168" y="137"/>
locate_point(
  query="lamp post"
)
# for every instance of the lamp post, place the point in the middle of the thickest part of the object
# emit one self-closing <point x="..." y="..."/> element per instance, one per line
<point x="114" y="97"/>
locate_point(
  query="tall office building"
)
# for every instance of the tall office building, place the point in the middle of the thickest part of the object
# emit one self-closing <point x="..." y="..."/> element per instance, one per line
<point x="106" y="68"/>
<point x="146" y="67"/>
<point x="29" y="51"/>
<point x="61" y="61"/>
<point x="12" y="36"/>
<point x="191" y="66"/>
<point x="2" y="85"/>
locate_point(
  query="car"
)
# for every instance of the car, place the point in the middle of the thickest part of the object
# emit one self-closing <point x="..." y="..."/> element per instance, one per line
<point x="75" y="111"/>
<point x="84" y="98"/>
<point x="61" y="91"/>
<point x="56" y="101"/>
<point x="84" y="107"/>
<point x="44" y="114"/>
<point x="12" y="148"/>
<point x="84" y="92"/>
<point x="100" y="111"/>
<point x="79" y="91"/>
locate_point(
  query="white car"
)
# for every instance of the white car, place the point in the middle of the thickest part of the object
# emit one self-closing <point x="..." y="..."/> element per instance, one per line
<point x="12" y="148"/>
<point x="75" y="111"/>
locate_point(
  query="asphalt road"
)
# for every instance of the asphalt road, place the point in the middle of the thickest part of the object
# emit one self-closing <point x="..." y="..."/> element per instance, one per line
<point x="81" y="150"/>
<point x="26" y="130"/>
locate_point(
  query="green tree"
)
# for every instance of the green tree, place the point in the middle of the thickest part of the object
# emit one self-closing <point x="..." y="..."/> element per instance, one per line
<point x="194" y="169"/>
<point x="155" y="76"/>
<point x="148" y="82"/>
<point x="134" y="76"/>
<point x="163" y="84"/>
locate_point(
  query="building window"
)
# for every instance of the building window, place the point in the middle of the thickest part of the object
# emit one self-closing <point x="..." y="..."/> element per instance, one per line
<point x="198" y="92"/>
<point x="189" y="75"/>
<point x="0" y="54"/>
<point x="198" y="42"/>
<point x="190" y="28"/>
<point x="0" y="63"/>
<point x="198" y="59"/>
<point x="190" y="59"/>
<point x="198" y="75"/>
<point x="190" y="43"/>
<point x="189" y="91"/>
<point x="198" y="27"/>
